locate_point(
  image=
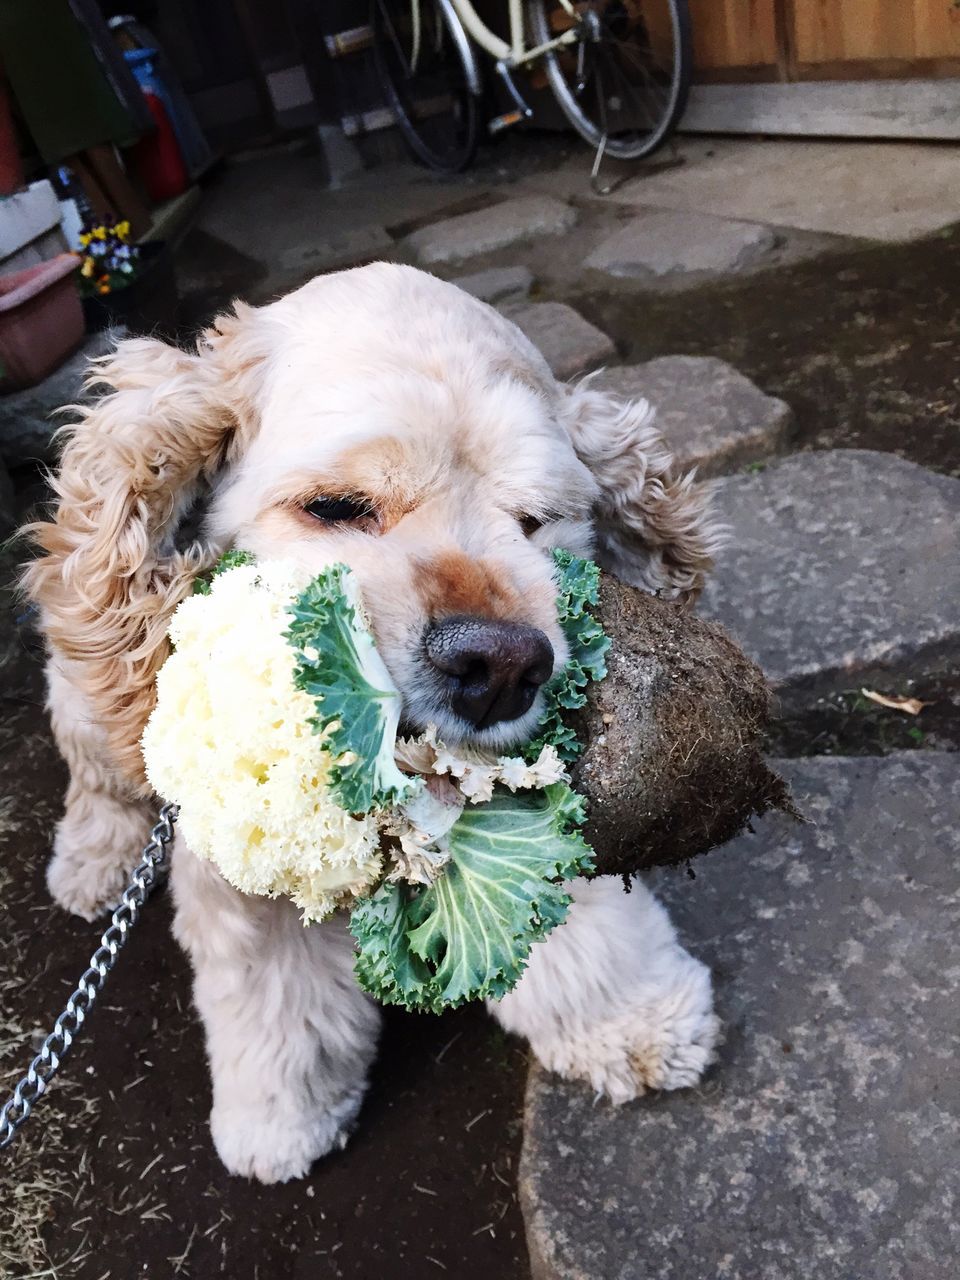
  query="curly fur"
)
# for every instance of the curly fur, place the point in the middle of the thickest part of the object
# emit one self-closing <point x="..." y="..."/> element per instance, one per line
<point x="653" y="525"/>
<point x="390" y="384"/>
<point x="108" y="580"/>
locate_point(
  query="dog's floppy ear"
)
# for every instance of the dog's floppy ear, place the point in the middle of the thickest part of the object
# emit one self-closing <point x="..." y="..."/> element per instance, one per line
<point x="653" y="526"/>
<point x="108" y="575"/>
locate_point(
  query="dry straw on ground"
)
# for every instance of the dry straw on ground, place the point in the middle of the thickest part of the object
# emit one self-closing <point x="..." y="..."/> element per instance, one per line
<point x="36" y="1181"/>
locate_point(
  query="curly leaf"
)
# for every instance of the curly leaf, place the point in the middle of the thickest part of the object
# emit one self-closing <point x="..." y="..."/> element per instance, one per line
<point x="468" y="935"/>
<point x="355" y="699"/>
<point x="578" y="583"/>
<point x="229" y="560"/>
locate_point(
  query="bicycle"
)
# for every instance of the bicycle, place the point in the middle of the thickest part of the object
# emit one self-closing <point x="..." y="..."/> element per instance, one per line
<point x="619" y="70"/>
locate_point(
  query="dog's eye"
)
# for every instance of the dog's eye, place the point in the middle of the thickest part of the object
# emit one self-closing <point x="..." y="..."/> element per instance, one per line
<point x="530" y="524"/>
<point x="339" y="510"/>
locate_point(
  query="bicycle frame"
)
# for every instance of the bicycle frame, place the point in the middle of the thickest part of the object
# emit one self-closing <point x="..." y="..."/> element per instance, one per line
<point x="514" y="54"/>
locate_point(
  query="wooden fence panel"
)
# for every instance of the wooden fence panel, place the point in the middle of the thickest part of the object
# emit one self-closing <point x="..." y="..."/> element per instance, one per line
<point x="733" y="33"/>
<point x="851" y="30"/>
<point x="936" y="29"/>
<point x="851" y="68"/>
<point x="825" y="39"/>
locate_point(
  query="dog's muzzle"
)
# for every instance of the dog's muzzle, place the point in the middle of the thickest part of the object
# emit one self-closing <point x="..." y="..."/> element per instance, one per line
<point x="489" y="671"/>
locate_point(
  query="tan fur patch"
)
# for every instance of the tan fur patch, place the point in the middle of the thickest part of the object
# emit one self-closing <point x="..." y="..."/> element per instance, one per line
<point x="104" y="588"/>
<point x="452" y="583"/>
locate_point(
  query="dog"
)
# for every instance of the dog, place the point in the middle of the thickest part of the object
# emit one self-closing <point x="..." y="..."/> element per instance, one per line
<point x="385" y="419"/>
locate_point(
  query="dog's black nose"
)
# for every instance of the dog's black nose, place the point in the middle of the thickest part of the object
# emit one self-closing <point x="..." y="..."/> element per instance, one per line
<point x="491" y="670"/>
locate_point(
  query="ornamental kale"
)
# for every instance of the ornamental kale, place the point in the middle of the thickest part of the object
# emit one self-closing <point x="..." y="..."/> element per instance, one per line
<point x="578" y="593"/>
<point x="469" y="934"/>
<point x="451" y="882"/>
<point x="355" y="699"/>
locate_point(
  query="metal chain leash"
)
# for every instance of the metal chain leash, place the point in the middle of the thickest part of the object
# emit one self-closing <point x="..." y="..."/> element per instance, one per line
<point x="150" y="870"/>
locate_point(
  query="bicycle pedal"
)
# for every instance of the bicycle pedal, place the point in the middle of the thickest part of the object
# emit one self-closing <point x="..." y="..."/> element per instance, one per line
<point x="506" y="121"/>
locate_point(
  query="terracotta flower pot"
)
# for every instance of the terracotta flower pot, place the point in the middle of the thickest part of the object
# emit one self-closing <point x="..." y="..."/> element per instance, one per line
<point x="41" y="320"/>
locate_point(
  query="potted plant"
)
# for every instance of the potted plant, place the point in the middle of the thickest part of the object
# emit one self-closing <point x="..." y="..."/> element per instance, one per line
<point x="41" y="320"/>
<point x="124" y="283"/>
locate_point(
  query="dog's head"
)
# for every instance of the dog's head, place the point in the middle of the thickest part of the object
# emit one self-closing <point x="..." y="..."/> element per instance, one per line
<point x="382" y="419"/>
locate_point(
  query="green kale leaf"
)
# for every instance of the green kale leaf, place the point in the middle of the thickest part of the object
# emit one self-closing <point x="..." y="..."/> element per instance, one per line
<point x="356" y="702"/>
<point x="229" y="560"/>
<point x="468" y="935"/>
<point x="578" y="593"/>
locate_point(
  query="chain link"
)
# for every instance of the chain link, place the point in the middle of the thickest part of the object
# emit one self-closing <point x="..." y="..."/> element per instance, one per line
<point x="151" y="869"/>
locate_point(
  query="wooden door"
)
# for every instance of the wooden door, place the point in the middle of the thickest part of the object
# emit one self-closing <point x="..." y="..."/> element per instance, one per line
<point x="735" y="39"/>
<point x="867" y="39"/>
<point x="749" y="40"/>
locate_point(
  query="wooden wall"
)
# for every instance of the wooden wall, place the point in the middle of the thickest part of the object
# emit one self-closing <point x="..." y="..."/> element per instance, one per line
<point x="734" y="33"/>
<point x="789" y="40"/>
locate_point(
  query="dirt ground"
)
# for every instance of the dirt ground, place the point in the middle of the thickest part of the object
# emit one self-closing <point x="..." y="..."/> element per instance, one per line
<point x="116" y="1176"/>
<point x="863" y="344"/>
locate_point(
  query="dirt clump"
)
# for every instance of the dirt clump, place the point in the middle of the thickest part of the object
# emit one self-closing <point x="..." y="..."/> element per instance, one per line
<point x="673" y="764"/>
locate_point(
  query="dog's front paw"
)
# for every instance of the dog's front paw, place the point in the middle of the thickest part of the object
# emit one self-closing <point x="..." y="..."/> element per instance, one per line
<point x="276" y="1148"/>
<point x="672" y="1052"/>
<point x="85" y="886"/>
<point x="661" y="1041"/>
<point x="97" y="845"/>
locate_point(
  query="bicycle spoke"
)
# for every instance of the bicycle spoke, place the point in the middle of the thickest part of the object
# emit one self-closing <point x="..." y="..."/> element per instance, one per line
<point x="394" y="39"/>
<point x="424" y="76"/>
<point x="625" y="82"/>
<point x="637" y="93"/>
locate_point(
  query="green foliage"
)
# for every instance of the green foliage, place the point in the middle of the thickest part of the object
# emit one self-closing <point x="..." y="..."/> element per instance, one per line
<point x="578" y="592"/>
<point x="339" y="667"/>
<point x="468" y="935"/>
<point x="229" y="560"/>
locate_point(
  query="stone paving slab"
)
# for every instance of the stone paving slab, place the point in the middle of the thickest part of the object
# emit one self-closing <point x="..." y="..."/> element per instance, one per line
<point x="823" y="1145"/>
<point x="350" y="247"/>
<point x="659" y="243"/>
<point x="885" y="190"/>
<point x="26" y="425"/>
<point x="711" y="416"/>
<point x="483" y="231"/>
<point x="570" y="344"/>
<point x="843" y="566"/>
<point x="497" y="283"/>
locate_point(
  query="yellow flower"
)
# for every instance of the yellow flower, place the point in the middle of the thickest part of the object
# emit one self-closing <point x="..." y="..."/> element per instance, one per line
<point x="87" y="268"/>
<point x="85" y="238"/>
<point x="123" y="229"/>
<point x="100" y="233"/>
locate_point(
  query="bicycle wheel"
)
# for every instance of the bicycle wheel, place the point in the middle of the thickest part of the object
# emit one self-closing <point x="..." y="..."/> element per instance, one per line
<point x="419" y="53"/>
<point x="627" y="76"/>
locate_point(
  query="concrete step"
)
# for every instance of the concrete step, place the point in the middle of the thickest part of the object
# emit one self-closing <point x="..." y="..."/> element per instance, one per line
<point x="843" y="568"/>
<point x="485" y="230"/>
<point x="824" y="1141"/>
<point x="712" y="417"/>
<point x="497" y="283"/>
<point x="658" y="243"/>
<point x="570" y="344"/>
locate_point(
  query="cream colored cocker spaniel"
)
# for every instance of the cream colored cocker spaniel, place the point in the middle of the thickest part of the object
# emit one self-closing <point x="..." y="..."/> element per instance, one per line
<point x="386" y="419"/>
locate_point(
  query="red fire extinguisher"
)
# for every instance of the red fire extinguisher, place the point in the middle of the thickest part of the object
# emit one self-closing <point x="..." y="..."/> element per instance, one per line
<point x="157" y="155"/>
